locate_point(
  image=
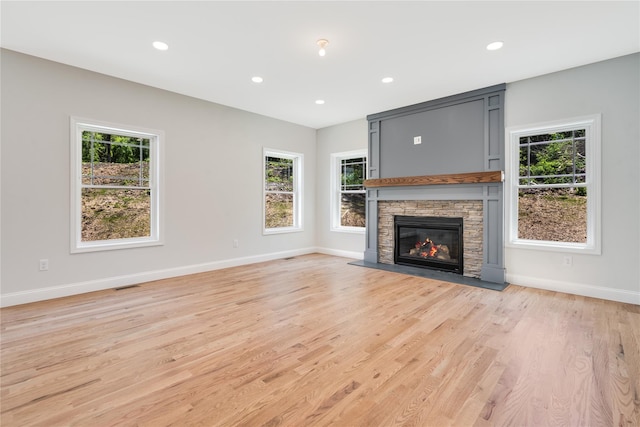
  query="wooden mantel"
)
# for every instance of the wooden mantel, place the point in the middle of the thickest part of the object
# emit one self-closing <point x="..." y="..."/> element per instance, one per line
<point x="454" y="178"/>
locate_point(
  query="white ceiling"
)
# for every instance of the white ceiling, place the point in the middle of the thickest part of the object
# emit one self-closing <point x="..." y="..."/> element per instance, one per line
<point x="432" y="49"/>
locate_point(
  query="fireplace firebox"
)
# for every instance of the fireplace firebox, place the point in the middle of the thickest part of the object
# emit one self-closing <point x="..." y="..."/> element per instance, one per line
<point x="429" y="242"/>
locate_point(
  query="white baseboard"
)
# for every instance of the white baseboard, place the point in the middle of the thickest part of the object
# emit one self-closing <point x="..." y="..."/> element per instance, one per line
<point x="340" y="253"/>
<point x="24" y="297"/>
<point x="611" y="294"/>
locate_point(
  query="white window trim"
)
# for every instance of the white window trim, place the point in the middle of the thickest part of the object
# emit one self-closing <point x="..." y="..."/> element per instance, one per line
<point x="298" y="185"/>
<point x="156" y="137"/>
<point x="592" y="126"/>
<point x="334" y="204"/>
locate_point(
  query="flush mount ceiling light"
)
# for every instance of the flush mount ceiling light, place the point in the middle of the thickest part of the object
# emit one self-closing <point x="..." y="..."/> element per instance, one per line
<point x="323" y="45"/>
<point x="387" y="80"/>
<point x="319" y="101"/>
<point x="160" y="45"/>
<point x="494" y="45"/>
<point x="257" y="79"/>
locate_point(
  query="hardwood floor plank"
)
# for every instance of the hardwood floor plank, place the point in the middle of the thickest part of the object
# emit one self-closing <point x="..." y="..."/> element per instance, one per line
<point x="315" y="341"/>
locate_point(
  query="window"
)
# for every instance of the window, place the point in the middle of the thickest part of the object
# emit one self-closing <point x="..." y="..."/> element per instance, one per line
<point x="553" y="200"/>
<point x="348" y="196"/>
<point x="114" y="187"/>
<point x="282" y="191"/>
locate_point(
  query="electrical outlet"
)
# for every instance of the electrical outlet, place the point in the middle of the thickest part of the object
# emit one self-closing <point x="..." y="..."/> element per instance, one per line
<point x="567" y="261"/>
<point x="236" y="243"/>
<point x="417" y="140"/>
<point x="44" y="264"/>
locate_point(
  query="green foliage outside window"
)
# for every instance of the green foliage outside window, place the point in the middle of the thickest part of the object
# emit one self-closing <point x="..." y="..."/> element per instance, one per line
<point x="110" y="148"/>
<point x="352" y="193"/>
<point x="557" y="158"/>
<point x="279" y="192"/>
<point x="117" y="161"/>
<point x="279" y="174"/>
<point x="552" y="203"/>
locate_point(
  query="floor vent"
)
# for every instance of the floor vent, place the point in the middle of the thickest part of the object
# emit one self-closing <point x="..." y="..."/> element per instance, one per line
<point x="126" y="287"/>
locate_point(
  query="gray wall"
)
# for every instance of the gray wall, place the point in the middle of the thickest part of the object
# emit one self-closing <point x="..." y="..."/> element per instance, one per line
<point x="611" y="88"/>
<point x="38" y="96"/>
<point x="213" y="180"/>
<point x="336" y="139"/>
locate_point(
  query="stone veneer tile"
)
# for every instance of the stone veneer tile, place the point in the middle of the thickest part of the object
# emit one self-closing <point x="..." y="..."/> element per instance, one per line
<point x="469" y="210"/>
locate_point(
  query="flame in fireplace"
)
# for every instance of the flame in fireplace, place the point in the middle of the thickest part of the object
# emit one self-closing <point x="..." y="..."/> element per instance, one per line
<point x="428" y="249"/>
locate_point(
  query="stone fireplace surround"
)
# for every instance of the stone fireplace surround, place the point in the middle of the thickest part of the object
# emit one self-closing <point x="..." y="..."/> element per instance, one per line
<point x="469" y="210"/>
<point x="480" y="206"/>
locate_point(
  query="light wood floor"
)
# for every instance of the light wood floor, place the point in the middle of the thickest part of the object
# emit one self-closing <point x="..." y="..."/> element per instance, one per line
<point x="315" y="341"/>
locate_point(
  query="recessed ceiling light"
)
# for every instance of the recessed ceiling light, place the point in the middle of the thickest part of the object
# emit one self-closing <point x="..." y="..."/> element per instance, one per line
<point x="319" y="101"/>
<point x="387" y="80"/>
<point x="494" y="45"/>
<point x="257" y="79"/>
<point x="160" y="45"/>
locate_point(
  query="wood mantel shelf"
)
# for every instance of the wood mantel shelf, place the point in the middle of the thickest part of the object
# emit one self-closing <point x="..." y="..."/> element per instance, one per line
<point x="454" y="178"/>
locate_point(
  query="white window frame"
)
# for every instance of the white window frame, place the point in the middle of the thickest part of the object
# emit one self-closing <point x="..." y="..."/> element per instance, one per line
<point x="298" y="185"/>
<point x="335" y="197"/>
<point x="156" y="138"/>
<point x="592" y="126"/>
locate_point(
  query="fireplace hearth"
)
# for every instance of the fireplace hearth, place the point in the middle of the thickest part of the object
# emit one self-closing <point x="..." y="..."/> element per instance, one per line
<point x="429" y="242"/>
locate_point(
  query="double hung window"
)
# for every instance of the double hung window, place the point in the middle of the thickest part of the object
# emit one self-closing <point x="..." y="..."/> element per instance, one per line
<point x="115" y="186"/>
<point x="554" y="195"/>
<point x="348" y="196"/>
<point x="282" y="191"/>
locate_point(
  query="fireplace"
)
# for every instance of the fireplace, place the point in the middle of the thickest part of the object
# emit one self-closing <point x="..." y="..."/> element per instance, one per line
<point x="456" y="173"/>
<point x="429" y="242"/>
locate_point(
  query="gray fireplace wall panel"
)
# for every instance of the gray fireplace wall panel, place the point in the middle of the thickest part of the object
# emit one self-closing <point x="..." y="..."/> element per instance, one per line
<point x="452" y="141"/>
<point x="495" y="140"/>
<point x="371" y="207"/>
<point x="461" y="133"/>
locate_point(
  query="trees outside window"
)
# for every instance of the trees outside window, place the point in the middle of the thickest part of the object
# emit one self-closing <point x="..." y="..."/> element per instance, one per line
<point x="282" y="191"/>
<point x="115" y="189"/>
<point x="554" y="194"/>
<point x="348" y="195"/>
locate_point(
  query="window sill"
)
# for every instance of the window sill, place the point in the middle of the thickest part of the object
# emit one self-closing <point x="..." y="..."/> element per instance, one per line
<point x="349" y="230"/>
<point x="115" y="245"/>
<point x="548" y="246"/>
<point x="283" y="230"/>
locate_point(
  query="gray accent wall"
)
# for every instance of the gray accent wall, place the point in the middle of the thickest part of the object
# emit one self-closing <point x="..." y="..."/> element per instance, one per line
<point x="461" y="133"/>
<point x="452" y="141"/>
